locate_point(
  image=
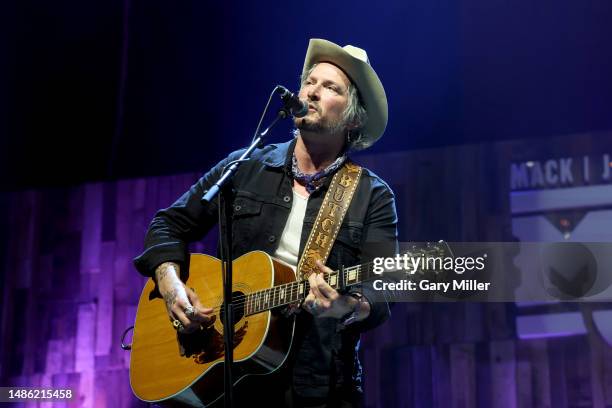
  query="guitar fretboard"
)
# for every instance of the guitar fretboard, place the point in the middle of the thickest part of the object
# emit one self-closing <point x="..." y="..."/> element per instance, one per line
<point x="295" y="292"/>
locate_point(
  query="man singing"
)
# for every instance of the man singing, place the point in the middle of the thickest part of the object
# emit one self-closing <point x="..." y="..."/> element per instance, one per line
<point x="277" y="196"/>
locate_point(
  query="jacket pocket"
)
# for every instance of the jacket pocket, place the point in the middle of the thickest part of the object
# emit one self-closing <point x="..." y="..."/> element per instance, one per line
<point x="246" y="222"/>
<point x="245" y="206"/>
<point x="347" y="248"/>
<point x="350" y="234"/>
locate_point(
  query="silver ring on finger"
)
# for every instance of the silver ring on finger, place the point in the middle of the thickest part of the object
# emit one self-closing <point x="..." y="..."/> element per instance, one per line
<point x="190" y="311"/>
<point x="176" y="323"/>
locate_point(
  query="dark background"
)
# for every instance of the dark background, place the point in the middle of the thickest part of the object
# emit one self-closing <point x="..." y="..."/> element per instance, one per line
<point x="104" y="90"/>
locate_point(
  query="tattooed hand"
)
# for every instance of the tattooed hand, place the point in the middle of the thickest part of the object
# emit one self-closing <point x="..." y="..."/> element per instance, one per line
<point x="180" y="298"/>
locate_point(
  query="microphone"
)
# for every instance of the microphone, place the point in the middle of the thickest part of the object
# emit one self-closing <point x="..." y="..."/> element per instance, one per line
<point x="293" y="103"/>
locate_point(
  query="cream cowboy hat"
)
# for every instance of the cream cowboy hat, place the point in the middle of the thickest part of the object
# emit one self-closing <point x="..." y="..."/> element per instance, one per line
<point x="355" y="64"/>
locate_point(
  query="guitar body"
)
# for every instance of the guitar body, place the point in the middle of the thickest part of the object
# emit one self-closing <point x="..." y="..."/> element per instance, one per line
<point x="187" y="369"/>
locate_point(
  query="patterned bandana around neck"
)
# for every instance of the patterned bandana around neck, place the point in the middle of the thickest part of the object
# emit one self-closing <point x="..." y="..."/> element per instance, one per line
<point x="312" y="182"/>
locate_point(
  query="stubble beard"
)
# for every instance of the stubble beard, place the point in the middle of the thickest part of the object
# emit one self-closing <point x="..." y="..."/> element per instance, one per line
<point x="320" y="127"/>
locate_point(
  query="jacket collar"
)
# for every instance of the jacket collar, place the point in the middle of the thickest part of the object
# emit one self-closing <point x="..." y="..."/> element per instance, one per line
<point x="280" y="155"/>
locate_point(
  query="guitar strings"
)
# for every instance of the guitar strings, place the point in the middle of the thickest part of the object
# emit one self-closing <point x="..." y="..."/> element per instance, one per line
<point x="243" y="299"/>
<point x="292" y="291"/>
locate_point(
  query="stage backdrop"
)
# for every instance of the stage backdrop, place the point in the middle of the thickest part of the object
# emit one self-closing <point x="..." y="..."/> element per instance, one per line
<point x="69" y="290"/>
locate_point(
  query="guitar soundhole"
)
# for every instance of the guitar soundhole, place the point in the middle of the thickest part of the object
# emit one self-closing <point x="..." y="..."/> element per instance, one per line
<point x="207" y="345"/>
<point x="238" y="299"/>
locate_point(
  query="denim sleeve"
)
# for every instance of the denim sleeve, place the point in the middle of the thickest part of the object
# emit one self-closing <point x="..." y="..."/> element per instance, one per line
<point x="380" y="239"/>
<point x="185" y="221"/>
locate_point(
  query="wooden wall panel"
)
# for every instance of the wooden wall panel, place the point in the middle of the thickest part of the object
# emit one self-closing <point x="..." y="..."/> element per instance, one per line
<point x="462" y="375"/>
<point x="91" y="235"/>
<point x="105" y="301"/>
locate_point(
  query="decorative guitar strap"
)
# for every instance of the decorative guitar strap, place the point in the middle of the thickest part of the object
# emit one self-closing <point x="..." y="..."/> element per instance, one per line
<point x="329" y="219"/>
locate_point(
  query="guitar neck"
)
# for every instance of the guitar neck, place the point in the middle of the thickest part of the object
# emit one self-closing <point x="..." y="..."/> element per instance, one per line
<point x="296" y="292"/>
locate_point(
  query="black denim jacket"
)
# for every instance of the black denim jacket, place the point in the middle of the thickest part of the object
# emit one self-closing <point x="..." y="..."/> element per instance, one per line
<point x="262" y="202"/>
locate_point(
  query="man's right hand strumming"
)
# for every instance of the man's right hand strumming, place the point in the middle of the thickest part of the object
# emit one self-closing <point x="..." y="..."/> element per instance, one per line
<point x="185" y="311"/>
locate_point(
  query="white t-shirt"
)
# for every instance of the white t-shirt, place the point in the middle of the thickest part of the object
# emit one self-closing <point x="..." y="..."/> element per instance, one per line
<point x="289" y="245"/>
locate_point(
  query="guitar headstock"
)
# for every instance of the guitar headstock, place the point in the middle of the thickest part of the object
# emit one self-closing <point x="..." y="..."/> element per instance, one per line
<point x="437" y="251"/>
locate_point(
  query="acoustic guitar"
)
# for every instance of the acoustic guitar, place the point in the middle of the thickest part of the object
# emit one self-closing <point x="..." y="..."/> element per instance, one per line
<point x="171" y="368"/>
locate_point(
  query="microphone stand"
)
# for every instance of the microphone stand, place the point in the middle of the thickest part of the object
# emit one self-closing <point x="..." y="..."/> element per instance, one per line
<point x="225" y="213"/>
